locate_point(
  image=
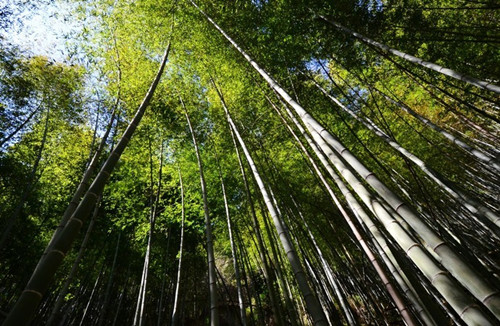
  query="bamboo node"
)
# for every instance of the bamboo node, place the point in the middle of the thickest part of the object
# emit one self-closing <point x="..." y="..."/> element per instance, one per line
<point x="411" y="247"/>
<point x="467" y="308"/>
<point x="59" y="252"/>
<point x="438" y="245"/>
<point x="440" y="273"/>
<point x="78" y="220"/>
<point x="369" y="175"/>
<point x="399" y="206"/>
<point x="489" y="296"/>
<point x="35" y="292"/>
<point x="93" y="194"/>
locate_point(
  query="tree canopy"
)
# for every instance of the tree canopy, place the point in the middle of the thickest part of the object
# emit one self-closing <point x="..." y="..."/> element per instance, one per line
<point x="253" y="163"/>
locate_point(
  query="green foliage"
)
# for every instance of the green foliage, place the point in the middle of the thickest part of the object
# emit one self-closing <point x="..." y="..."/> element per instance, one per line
<point x="123" y="42"/>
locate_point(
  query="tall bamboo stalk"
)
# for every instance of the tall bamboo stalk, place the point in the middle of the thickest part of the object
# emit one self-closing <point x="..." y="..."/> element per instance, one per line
<point x="102" y="316"/>
<point x="485" y="215"/>
<point x="313" y="306"/>
<point x="234" y="253"/>
<point x="440" y="69"/>
<point x="487" y="294"/>
<point x="268" y="274"/>
<point x="212" y="276"/>
<point x="181" y="249"/>
<point x="71" y="275"/>
<point x="26" y="306"/>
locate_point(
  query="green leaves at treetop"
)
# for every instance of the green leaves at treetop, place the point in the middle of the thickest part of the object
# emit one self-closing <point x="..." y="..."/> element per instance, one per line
<point x="391" y="211"/>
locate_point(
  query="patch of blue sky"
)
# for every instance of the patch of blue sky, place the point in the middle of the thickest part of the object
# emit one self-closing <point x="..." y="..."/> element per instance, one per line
<point x="314" y="65"/>
<point x="372" y="5"/>
<point x="51" y="30"/>
<point x="43" y="30"/>
<point x="258" y="3"/>
<point x="357" y="97"/>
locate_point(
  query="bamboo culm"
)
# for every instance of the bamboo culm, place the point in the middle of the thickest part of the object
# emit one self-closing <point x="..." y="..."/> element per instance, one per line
<point x="462" y="198"/>
<point x="257" y="230"/>
<point x="212" y="276"/>
<point x="233" y="252"/>
<point x="181" y="249"/>
<point x="26" y="306"/>
<point x="445" y="71"/>
<point x="457" y="266"/>
<point x="390" y="288"/>
<point x="313" y="305"/>
<point x="69" y="279"/>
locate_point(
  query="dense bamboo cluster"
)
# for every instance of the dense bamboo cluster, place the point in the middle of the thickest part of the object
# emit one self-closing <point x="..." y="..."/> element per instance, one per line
<point x="345" y="182"/>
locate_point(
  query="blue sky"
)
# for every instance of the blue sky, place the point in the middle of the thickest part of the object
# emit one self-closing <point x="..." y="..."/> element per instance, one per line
<point x="41" y="31"/>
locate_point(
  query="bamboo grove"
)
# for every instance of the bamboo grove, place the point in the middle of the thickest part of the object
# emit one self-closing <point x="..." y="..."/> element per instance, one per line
<point x="254" y="163"/>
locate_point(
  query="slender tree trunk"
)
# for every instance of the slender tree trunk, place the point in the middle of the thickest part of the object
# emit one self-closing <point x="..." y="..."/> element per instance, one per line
<point x="29" y="186"/>
<point x="72" y="310"/>
<point x="154" y="201"/>
<point x="140" y="296"/>
<point x="419" y="80"/>
<point x="485" y="215"/>
<point x="313" y="306"/>
<point x="86" y="310"/>
<point x="486" y="158"/>
<point x="212" y="276"/>
<point x="278" y="263"/>
<point x="104" y="308"/>
<point x="455" y="264"/>
<point x="122" y="295"/>
<point x="233" y="252"/>
<point x="164" y="280"/>
<point x="21" y="126"/>
<point x="326" y="267"/>
<point x="430" y="269"/>
<point x="25" y="307"/>
<point x="245" y="269"/>
<point x="445" y="71"/>
<point x="181" y="249"/>
<point x="470" y="279"/>
<point x="489" y="162"/>
<point x="260" y="242"/>
<point x="74" y="268"/>
<point x="82" y="186"/>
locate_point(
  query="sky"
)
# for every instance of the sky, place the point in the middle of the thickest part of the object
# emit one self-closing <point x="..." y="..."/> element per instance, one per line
<point x="41" y="31"/>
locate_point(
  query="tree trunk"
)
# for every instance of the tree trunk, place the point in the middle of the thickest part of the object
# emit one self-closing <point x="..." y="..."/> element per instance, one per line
<point x="477" y="285"/>
<point x="181" y="249"/>
<point x="313" y="306"/>
<point x="74" y="268"/>
<point x="104" y="308"/>
<point x="86" y="310"/>
<point x="428" y="266"/>
<point x="445" y="71"/>
<point x="82" y="186"/>
<point x="260" y="242"/>
<point x="233" y="252"/>
<point x="25" y="307"/>
<point x="29" y="186"/>
<point x="276" y="254"/>
<point x="484" y="214"/>
<point x="154" y="199"/>
<point x="212" y="276"/>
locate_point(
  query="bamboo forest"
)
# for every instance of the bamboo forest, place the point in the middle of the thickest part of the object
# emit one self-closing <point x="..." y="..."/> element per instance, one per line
<point x="251" y="163"/>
